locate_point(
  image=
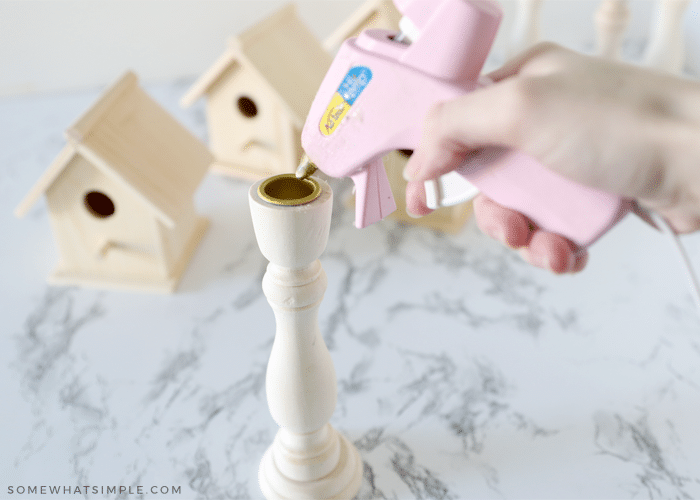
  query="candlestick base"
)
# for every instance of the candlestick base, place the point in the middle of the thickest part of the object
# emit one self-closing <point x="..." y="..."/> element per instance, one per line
<point x="341" y="483"/>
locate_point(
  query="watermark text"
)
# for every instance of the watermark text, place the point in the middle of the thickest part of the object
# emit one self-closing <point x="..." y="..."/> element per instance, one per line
<point x="93" y="490"/>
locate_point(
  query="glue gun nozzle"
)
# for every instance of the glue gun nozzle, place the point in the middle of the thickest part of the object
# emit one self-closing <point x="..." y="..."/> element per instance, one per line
<point x="306" y="168"/>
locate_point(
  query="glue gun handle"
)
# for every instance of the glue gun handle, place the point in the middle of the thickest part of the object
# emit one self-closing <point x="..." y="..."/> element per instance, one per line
<point x="553" y="202"/>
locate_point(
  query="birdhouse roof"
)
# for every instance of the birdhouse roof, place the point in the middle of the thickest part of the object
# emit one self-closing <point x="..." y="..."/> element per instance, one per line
<point x="367" y="13"/>
<point x="283" y="51"/>
<point x="131" y="138"/>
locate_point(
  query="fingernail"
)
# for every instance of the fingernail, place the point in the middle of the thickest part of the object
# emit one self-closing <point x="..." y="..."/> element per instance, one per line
<point x="412" y="215"/>
<point x="501" y="236"/>
<point x="524" y="255"/>
<point x="547" y="264"/>
<point x="571" y="264"/>
<point x="535" y="259"/>
<point x="497" y="234"/>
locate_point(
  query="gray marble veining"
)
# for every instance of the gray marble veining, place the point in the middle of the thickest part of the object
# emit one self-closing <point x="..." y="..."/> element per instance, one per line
<point x="462" y="371"/>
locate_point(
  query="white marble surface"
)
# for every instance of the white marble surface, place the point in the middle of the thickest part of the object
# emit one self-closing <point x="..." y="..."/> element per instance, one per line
<point x="463" y="372"/>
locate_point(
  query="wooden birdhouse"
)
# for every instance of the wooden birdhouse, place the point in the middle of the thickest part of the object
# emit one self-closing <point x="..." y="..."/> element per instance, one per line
<point x="376" y="14"/>
<point x="258" y="94"/>
<point x="120" y="194"/>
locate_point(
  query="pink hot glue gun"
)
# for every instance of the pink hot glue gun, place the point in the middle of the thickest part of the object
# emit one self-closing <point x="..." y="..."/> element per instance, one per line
<point x="374" y="99"/>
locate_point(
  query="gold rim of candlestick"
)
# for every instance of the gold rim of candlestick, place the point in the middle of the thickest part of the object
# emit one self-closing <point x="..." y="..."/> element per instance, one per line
<point x="288" y="190"/>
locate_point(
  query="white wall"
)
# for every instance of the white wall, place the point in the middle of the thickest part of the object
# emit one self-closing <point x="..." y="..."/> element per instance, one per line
<point x="51" y="45"/>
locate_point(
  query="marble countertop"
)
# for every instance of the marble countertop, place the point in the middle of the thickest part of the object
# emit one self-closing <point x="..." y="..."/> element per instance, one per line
<point x="462" y="371"/>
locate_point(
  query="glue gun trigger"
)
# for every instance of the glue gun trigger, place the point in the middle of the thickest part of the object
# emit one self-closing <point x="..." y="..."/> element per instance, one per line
<point x="448" y="190"/>
<point x="373" y="197"/>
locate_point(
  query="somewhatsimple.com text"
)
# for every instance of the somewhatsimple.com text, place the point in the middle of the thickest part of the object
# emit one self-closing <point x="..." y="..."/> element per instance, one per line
<point x="94" y="490"/>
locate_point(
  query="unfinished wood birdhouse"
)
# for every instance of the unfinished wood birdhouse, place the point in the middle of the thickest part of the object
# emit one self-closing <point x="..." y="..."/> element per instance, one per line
<point x="120" y="194"/>
<point x="258" y="94"/>
<point x="377" y="14"/>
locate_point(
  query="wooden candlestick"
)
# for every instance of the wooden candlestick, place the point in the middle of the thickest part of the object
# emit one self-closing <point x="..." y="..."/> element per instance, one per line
<point x="665" y="50"/>
<point x="308" y="459"/>
<point x="611" y="19"/>
<point x="526" y="26"/>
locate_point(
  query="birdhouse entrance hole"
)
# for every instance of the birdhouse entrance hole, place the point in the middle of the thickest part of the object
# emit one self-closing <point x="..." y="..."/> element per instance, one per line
<point x="99" y="204"/>
<point x="247" y="107"/>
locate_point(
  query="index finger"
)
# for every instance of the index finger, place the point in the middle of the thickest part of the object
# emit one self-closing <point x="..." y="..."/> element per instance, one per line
<point x="455" y="129"/>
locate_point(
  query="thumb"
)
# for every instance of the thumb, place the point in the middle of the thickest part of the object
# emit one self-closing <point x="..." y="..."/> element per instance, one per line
<point x="529" y="58"/>
<point x="489" y="116"/>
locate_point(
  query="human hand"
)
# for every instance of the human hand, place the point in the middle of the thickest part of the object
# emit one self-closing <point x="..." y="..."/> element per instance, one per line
<point x="608" y="125"/>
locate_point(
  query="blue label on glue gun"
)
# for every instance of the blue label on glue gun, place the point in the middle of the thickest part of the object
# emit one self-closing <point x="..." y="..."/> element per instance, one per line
<point x="354" y="83"/>
<point x="349" y="90"/>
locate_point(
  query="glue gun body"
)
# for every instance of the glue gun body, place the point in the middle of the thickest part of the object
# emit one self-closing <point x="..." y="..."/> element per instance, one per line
<point x="372" y="106"/>
<point x="375" y="97"/>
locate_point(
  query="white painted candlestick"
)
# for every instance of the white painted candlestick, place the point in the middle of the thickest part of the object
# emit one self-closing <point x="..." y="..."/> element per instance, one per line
<point x="611" y="19"/>
<point x="308" y="459"/>
<point x="665" y="51"/>
<point x="526" y="30"/>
